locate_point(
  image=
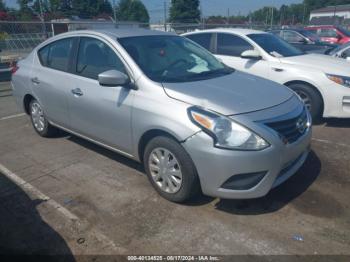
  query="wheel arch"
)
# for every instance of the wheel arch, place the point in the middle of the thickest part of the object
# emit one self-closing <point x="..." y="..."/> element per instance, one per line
<point x="148" y="136"/>
<point x="26" y="102"/>
<point x="289" y="83"/>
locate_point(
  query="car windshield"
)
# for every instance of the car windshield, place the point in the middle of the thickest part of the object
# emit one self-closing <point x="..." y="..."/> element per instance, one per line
<point x="275" y="46"/>
<point x="173" y="58"/>
<point x="344" y="31"/>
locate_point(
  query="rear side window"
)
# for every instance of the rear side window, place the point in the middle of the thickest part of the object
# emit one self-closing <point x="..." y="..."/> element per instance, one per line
<point x="328" y="33"/>
<point x="57" y="54"/>
<point x="202" y="39"/>
<point x="232" y="45"/>
<point x="95" y="57"/>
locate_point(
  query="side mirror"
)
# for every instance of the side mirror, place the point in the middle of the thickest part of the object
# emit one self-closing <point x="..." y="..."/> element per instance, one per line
<point x="113" y="78"/>
<point x="251" y="54"/>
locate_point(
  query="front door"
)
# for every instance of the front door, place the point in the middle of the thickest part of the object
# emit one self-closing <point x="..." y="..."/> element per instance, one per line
<point x="229" y="48"/>
<point x="102" y="113"/>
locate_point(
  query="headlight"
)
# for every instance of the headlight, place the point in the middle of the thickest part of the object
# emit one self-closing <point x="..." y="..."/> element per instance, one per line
<point x="341" y="80"/>
<point x="225" y="132"/>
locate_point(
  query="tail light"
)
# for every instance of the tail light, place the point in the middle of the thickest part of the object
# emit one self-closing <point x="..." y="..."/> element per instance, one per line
<point x="14" y="67"/>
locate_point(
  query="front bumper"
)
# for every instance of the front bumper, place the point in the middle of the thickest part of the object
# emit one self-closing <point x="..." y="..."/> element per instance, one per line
<point x="216" y="166"/>
<point x="337" y="101"/>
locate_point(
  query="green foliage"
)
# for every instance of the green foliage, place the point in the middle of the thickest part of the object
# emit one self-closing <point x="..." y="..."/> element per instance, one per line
<point x="91" y="8"/>
<point x="132" y="10"/>
<point x="2" y="6"/>
<point x="184" y="11"/>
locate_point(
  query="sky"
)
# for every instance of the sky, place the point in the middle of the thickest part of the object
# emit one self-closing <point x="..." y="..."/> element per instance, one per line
<point x="209" y="7"/>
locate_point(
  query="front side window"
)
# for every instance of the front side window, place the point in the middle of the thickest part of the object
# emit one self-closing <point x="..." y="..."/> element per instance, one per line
<point x="57" y="54"/>
<point x="346" y="53"/>
<point x="274" y="45"/>
<point x="172" y="58"/>
<point x="292" y="37"/>
<point x="201" y="39"/>
<point x="232" y="45"/>
<point x="95" y="57"/>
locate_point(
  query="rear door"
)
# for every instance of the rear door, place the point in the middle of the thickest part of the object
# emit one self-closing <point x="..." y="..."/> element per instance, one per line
<point x="51" y="79"/>
<point x="102" y="113"/>
<point x="229" y="48"/>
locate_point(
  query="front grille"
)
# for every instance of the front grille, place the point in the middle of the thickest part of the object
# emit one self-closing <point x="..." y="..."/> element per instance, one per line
<point x="291" y="129"/>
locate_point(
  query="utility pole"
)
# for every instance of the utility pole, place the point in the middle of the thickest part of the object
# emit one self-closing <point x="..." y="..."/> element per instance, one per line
<point x="228" y="15"/>
<point x="304" y="13"/>
<point x="272" y="9"/>
<point x="114" y="12"/>
<point x="42" y="17"/>
<point x="165" y="16"/>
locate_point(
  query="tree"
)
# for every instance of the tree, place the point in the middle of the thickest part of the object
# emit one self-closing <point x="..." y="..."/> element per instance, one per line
<point x="90" y="8"/>
<point x="132" y="10"/>
<point x="25" y="11"/>
<point x="2" y="6"/>
<point x="185" y="11"/>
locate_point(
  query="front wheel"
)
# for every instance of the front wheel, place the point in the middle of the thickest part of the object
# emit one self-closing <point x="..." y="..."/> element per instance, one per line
<point x="170" y="170"/>
<point x="311" y="98"/>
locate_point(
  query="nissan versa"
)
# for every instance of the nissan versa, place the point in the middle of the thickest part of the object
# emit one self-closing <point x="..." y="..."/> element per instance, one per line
<point x="163" y="100"/>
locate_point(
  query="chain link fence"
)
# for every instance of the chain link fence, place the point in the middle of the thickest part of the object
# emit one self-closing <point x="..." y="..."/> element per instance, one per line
<point x="17" y="38"/>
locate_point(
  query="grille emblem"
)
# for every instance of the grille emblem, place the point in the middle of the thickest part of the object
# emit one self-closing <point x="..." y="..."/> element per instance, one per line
<point x="301" y="125"/>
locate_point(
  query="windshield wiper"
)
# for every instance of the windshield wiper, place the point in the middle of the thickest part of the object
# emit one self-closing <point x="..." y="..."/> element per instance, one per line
<point x="216" y="72"/>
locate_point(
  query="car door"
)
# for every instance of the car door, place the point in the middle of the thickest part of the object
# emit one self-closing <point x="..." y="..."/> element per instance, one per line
<point x="102" y="113"/>
<point x="229" y="48"/>
<point x="51" y="78"/>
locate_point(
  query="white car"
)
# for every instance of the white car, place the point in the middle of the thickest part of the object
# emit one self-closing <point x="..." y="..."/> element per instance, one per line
<point x="323" y="82"/>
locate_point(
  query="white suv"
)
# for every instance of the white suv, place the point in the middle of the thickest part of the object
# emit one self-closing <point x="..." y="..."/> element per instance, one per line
<point x="323" y="82"/>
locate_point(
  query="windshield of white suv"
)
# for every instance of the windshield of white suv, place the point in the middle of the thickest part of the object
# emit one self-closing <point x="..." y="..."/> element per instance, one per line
<point x="173" y="58"/>
<point x="275" y="46"/>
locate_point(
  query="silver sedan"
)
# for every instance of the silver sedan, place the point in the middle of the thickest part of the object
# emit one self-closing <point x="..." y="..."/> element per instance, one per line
<point x="160" y="99"/>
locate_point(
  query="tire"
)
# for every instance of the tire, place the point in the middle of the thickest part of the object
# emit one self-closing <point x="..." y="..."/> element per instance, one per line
<point x="39" y="121"/>
<point x="172" y="152"/>
<point x="311" y="98"/>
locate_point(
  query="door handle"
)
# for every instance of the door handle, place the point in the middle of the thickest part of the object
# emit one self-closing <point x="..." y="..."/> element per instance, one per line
<point x="35" y="80"/>
<point x="277" y="69"/>
<point x="77" y="92"/>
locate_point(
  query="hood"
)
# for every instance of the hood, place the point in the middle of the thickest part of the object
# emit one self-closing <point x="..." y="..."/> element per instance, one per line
<point x="236" y="93"/>
<point x="324" y="63"/>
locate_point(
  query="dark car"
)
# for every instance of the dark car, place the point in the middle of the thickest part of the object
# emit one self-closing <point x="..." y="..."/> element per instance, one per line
<point x="304" y="40"/>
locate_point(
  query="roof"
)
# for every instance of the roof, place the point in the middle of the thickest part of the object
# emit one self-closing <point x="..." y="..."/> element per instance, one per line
<point x="328" y="9"/>
<point x="121" y="33"/>
<point x="240" y="31"/>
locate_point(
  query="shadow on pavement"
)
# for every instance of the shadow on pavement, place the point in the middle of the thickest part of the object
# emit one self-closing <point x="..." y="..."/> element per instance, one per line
<point x="23" y="231"/>
<point x="278" y="197"/>
<point x="275" y="200"/>
<point x="107" y="153"/>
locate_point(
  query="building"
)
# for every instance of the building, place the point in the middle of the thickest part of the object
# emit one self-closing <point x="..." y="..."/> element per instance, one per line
<point x="341" y="11"/>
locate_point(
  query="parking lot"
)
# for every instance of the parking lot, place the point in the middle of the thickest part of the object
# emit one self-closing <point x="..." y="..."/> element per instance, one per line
<point x="68" y="196"/>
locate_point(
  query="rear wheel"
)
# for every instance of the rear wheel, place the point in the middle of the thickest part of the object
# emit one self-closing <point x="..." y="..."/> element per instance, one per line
<point x="39" y="120"/>
<point x="311" y="98"/>
<point x="170" y="169"/>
